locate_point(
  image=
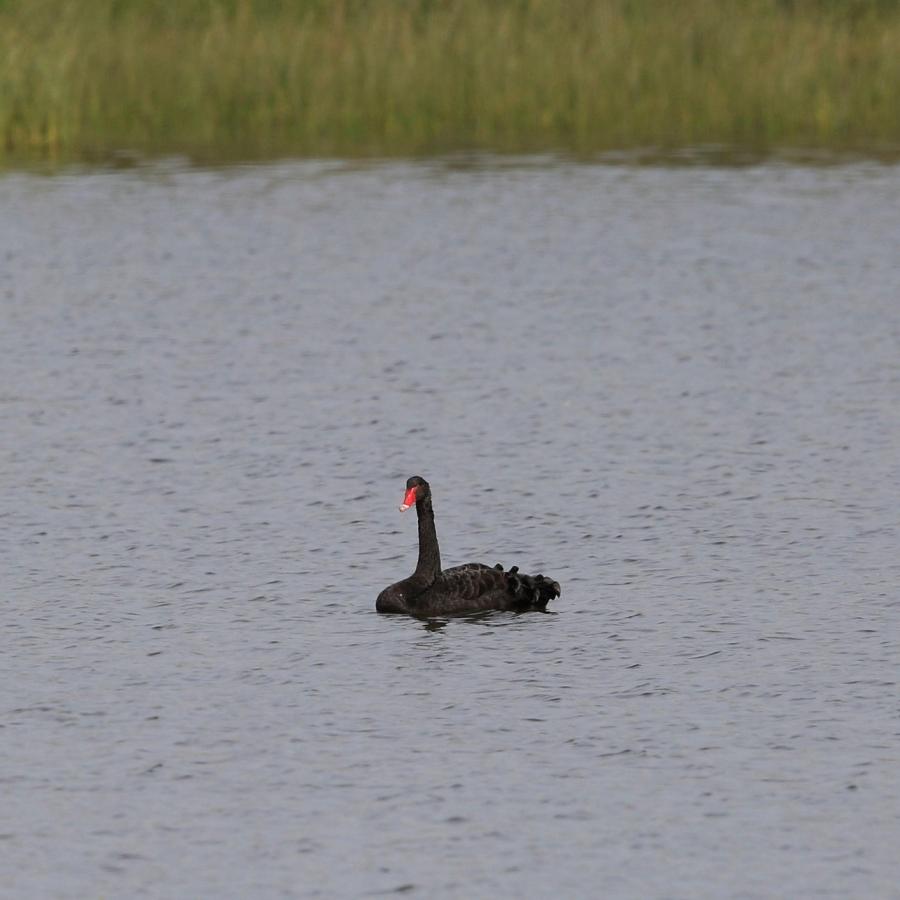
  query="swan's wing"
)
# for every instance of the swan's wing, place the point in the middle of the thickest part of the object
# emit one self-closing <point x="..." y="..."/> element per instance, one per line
<point x="475" y="587"/>
<point x="470" y="581"/>
<point x="467" y="588"/>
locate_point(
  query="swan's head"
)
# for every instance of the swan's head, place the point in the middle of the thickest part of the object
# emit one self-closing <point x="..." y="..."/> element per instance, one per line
<point x="416" y="489"/>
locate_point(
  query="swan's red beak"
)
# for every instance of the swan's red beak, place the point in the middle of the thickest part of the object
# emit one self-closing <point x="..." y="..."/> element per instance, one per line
<point x="408" y="500"/>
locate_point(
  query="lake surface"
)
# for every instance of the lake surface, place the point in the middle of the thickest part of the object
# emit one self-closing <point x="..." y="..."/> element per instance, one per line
<point x="675" y="390"/>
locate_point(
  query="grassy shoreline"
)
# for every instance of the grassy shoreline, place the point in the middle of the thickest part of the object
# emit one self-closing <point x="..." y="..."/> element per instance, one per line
<point x="261" y="78"/>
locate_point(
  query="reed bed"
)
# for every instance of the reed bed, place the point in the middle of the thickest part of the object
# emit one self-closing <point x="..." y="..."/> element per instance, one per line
<point x="225" y="79"/>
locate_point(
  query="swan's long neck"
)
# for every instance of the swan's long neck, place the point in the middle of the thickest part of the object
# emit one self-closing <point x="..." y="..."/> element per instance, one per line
<point x="429" y="553"/>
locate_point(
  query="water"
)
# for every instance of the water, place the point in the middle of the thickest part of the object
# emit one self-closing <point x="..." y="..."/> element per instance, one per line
<point x="674" y="390"/>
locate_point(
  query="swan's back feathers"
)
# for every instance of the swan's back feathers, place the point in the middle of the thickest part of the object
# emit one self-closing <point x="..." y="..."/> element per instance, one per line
<point x="475" y="587"/>
<point x="529" y="591"/>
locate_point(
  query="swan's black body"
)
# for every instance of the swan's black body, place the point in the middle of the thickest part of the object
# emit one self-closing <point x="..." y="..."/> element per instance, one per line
<point x="431" y="591"/>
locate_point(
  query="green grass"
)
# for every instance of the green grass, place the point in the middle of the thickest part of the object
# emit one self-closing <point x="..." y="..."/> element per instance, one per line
<point x="82" y="79"/>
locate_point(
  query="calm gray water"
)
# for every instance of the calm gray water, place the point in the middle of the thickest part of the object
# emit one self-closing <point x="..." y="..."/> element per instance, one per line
<point x="674" y="390"/>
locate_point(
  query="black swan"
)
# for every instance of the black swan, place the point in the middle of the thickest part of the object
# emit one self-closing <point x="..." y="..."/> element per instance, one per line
<point x="431" y="591"/>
